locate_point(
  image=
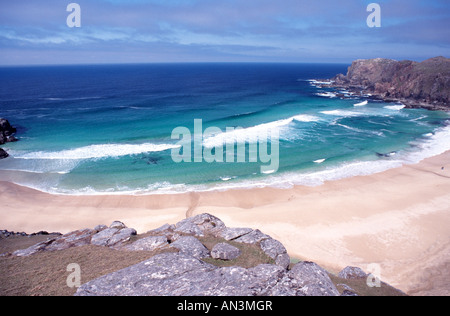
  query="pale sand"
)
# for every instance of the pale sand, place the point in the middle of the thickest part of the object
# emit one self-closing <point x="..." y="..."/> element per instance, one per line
<point x="398" y="219"/>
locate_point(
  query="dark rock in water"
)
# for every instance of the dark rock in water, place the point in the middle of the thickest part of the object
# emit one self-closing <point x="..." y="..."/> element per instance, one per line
<point x="6" y="127"/>
<point x="417" y="85"/>
<point x="3" y="154"/>
<point x="6" y="136"/>
<point x="11" y="139"/>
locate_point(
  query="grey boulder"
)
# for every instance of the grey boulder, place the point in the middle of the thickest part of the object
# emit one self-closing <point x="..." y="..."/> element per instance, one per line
<point x="200" y="225"/>
<point x="191" y="246"/>
<point x="225" y="251"/>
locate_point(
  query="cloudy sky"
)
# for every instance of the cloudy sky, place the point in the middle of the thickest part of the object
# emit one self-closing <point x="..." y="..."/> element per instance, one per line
<point x="143" y="31"/>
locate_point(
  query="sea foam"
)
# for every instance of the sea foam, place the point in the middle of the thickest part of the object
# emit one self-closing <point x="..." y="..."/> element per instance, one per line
<point x="254" y="133"/>
<point x="97" y="151"/>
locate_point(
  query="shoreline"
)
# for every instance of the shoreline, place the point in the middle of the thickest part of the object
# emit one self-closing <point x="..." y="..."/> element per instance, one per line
<point x="397" y="219"/>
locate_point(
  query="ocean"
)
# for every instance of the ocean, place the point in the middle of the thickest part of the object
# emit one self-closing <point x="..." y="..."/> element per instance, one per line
<point x="107" y="129"/>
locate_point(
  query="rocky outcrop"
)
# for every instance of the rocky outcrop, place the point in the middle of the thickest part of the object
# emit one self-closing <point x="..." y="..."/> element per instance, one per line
<point x="108" y="237"/>
<point x="6" y="234"/>
<point x="183" y="266"/>
<point x="424" y="85"/>
<point x="3" y="154"/>
<point x="6" y="136"/>
<point x="180" y="274"/>
<point x="6" y="132"/>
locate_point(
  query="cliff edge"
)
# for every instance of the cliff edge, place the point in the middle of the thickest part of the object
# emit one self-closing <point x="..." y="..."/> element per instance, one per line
<point x="416" y="85"/>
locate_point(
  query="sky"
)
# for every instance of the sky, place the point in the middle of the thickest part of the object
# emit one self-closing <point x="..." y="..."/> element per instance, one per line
<point x="153" y="31"/>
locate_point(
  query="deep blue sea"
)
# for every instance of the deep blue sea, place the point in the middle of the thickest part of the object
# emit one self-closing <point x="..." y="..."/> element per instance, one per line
<point x="107" y="129"/>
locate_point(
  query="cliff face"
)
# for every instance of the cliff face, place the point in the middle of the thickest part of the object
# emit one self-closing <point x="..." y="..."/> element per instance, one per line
<point x="425" y="84"/>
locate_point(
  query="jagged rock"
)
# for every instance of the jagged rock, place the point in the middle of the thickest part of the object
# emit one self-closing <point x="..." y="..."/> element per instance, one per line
<point x="313" y="280"/>
<point x="275" y="250"/>
<point x="200" y="225"/>
<point x="252" y="238"/>
<point x="237" y="281"/>
<point x="178" y="274"/>
<point x="283" y="260"/>
<point x="122" y="236"/>
<point x="6" y="136"/>
<point x="118" y="225"/>
<point x="192" y="246"/>
<point x="6" y="127"/>
<point x="148" y="244"/>
<point x="165" y="274"/>
<point x="3" y="154"/>
<point x="34" y="249"/>
<point x="166" y="228"/>
<point x="114" y="235"/>
<point x="233" y="233"/>
<point x="102" y="238"/>
<point x="73" y="239"/>
<point x="305" y="279"/>
<point x="225" y="251"/>
<point x="352" y="273"/>
<point x="99" y="228"/>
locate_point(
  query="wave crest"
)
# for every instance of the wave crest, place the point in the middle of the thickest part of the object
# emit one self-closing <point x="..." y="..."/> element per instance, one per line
<point x="98" y="151"/>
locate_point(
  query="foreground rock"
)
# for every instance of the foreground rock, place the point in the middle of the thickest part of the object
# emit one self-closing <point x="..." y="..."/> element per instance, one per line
<point x="181" y="264"/>
<point x="179" y="274"/>
<point x="424" y="85"/>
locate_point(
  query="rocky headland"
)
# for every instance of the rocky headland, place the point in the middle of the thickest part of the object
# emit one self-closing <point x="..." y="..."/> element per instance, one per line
<point x="6" y="135"/>
<point x="416" y="85"/>
<point x="200" y="256"/>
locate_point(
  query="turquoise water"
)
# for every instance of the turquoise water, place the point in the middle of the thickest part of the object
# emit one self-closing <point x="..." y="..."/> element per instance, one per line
<point x="107" y="129"/>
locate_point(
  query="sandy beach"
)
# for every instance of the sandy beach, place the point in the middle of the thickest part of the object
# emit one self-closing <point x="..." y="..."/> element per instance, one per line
<point x="398" y="219"/>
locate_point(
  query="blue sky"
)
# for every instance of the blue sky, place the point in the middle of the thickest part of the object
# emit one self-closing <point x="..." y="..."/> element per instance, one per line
<point x="145" y="31"/>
